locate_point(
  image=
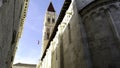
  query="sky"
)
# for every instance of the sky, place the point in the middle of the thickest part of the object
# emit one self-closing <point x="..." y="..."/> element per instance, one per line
<point x="28" y="49"/>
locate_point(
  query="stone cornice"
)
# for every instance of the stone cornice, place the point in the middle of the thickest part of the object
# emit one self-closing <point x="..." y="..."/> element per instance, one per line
<point x="94" y="4"/>
<point x="22" y="20"/>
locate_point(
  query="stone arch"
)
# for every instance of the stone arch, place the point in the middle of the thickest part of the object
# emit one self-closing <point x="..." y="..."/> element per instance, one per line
<point x="93" y="13"/>
<point x="101" y="9"/>
<point x="84" y="18"/>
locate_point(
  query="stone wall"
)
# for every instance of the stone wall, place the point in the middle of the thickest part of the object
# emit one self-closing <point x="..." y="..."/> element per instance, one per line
<point x="10" y="13"/>
<point x="73" y="49"/>
<point x="92" y="39"/>
<point x="66" y="48"/>
<point x="102" y="24"/>
<point x="88" y="36"/>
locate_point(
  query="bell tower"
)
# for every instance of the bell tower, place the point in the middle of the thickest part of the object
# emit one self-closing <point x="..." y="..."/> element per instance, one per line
<point x="49" y="23"/>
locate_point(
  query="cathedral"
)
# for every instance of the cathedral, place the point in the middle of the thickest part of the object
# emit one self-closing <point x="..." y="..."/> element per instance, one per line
<point x="86" y="34"/>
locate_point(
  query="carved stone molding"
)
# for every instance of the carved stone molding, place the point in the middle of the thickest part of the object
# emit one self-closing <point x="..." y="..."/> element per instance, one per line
<point x="109" y="10"/>
<point x="97" y="4"/>
<point x="102" y="26"/>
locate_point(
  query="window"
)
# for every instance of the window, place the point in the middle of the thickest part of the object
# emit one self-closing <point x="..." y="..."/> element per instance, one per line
<point x="56" y="54"/>
<point x="47" y="33"/>
<point x="69" y="33"/>
<point x="13" y="37"/>
<point x="48" y="19"/>
<point x="53" y="20"/>
<point x="12" y="58"/>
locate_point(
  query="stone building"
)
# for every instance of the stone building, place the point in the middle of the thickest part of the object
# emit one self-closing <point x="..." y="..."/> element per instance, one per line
<point x="86" y="35"/>
<point x="49" y="23"/>
<point x="12" y="16"/>
<point x="22" y="65"/>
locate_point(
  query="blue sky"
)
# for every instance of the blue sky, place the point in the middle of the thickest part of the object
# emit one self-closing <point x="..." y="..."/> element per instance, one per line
<point x="28" y="49"/>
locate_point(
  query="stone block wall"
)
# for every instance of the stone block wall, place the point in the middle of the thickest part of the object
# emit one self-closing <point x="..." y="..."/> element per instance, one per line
<point x="88" y="36"/>
<point x="10" y="13"/>
<point x="73" y="50"/>
<point x="101" y="25"/>
<point x="92" y="39"/>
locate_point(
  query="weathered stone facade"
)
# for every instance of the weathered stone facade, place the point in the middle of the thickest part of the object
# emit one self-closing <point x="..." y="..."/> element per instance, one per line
<point x="12" y="15"/>
<point x="88" y="36"/>
<point x="102" y="30"/>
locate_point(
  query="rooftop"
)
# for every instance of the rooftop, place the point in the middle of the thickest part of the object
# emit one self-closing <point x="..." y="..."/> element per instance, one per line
<point x="23" y="64"/>
<point x="51" y="8"/>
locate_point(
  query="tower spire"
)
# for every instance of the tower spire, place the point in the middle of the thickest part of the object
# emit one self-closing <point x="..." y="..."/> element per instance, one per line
<point x="51" y="8"/>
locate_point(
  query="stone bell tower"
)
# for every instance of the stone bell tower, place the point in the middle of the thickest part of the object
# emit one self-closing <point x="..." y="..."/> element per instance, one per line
<point x="49" y="23"/>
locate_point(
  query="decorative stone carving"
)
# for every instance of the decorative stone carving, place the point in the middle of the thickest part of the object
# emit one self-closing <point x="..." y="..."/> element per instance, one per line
<point x="83" y="3"/>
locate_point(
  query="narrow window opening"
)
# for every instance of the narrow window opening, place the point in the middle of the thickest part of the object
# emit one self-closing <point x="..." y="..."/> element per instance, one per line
<point x="48" y="20"/>
<point x="53" y="20"/>
<point x="69" y="33"/>
<point x="56" y="54"/>
<point x="13" y="37"/>
<point x="47" y="33"/>
<point x="12" y="59"/>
